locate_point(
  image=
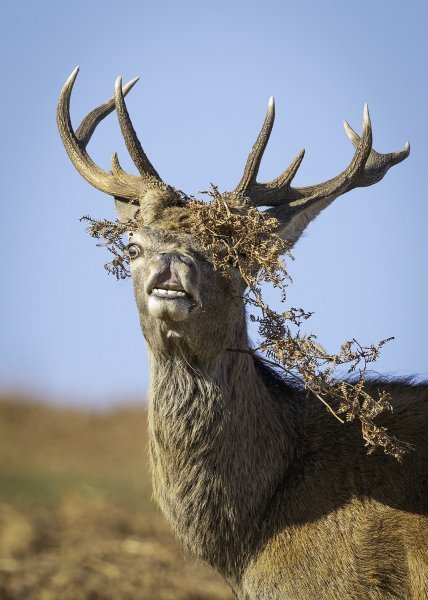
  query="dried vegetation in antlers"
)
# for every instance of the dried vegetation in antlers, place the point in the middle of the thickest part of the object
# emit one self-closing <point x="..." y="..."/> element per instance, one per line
<point x="247" y="239"/>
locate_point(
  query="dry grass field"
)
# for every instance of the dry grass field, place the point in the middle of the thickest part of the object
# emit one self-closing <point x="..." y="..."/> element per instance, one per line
<point x="76" y="517"/>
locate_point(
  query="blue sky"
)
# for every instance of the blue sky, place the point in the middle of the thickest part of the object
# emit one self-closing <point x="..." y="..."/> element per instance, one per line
<point x="69" y="331"/>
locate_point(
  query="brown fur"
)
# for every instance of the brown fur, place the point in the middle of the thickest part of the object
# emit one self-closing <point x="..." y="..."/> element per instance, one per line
<point x="256" y="478"/>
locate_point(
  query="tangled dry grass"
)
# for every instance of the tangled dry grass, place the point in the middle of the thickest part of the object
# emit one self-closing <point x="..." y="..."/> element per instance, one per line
<point x="246" y="238"/>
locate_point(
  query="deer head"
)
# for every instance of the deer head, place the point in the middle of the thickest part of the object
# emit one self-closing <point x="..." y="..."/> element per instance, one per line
<point x="179" y="294"/>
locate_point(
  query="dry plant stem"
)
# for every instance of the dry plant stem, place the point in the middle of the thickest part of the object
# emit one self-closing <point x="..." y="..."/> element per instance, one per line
<point x="278" y="366"/>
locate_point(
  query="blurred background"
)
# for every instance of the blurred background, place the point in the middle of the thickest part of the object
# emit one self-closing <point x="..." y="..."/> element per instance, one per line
<point x="70" y="332"/>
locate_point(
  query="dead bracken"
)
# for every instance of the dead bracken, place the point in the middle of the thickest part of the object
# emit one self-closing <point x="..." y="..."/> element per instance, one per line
<point x="247" y="239"/>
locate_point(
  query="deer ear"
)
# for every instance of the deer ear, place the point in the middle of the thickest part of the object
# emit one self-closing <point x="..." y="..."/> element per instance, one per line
<point x="291" y="231"/>
<point x="125" y="211"/>
<point x="291" y="226"/>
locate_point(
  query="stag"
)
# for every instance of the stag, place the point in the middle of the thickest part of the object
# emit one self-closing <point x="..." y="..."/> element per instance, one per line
<point x="253" y="474"/>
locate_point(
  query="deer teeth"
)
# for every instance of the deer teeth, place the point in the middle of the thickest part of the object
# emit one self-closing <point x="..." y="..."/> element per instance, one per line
<point x="163" y="293"/>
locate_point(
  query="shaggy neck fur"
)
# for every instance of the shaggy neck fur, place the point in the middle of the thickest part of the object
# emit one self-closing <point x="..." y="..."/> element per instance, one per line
<point x="219" y="447"/>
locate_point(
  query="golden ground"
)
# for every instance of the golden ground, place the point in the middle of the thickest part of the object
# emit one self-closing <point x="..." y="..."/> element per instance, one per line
<point x="76" y="517"/>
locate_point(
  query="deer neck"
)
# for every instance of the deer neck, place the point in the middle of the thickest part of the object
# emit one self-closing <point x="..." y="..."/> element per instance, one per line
<point x="219" y="447"/>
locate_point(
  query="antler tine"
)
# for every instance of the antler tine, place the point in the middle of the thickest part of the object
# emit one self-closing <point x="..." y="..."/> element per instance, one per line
<point x="106" y="182"/>
<point x="254" y="159"/>
<point x="352" y="135"/>
<point x="287" y="176"/>
<point x="92" y="120"/>
<point x="377" y="164"/>
<point x="132" y="142"/>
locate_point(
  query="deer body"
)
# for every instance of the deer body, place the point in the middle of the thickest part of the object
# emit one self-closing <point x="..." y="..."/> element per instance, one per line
<point x="262" y="484"/>
<point x="254" y="476"/>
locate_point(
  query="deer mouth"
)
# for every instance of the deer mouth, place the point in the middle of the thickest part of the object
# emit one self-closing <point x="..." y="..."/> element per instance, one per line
<point x="172" y="287"/>
<point x="169" y="293"/>
<point x="170" y="302"/>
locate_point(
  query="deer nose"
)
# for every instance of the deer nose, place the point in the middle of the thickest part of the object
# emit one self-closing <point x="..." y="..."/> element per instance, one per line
<point x="169" y="258"/>
<point x="173" y="271"/>
<point x="170" y="270"/>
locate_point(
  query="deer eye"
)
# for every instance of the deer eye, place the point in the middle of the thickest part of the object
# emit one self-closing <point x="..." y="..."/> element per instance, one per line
<point x="133" y="251"/>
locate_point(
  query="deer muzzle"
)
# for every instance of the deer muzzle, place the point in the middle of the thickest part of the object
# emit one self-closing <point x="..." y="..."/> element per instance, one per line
<point x="172" y="286"/>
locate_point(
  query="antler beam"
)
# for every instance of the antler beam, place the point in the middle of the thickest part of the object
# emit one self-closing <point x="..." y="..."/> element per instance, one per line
<point x="117" y="183"/>
<point x="366" y="168"/>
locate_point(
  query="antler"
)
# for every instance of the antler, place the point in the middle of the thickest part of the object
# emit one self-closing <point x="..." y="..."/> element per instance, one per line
<point x="293" y="207"/>
<point x="117" y="183"/>
<point x="366" y="168"/>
